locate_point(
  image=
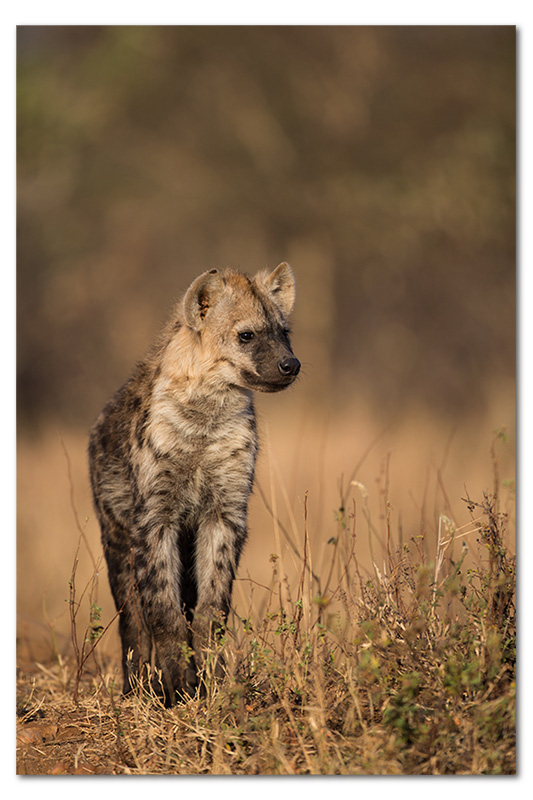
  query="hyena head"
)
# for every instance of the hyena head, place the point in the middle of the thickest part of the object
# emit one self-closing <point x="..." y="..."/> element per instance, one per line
<point x="243" y="326"/>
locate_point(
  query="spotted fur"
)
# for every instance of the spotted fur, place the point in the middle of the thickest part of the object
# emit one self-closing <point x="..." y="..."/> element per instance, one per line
<point x="172" y="459"/>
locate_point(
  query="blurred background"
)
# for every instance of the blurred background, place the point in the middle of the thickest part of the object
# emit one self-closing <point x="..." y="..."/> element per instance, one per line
<point x="378" y="161"/>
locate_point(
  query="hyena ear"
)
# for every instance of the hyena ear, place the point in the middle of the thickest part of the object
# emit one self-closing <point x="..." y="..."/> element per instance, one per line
<point x="280" y="284"/>
<point x="201" y="295"/>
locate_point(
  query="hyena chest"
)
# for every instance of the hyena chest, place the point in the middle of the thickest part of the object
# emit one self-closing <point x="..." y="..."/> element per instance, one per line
<point x="217" y="473"/>
<point x="205" y="466"/>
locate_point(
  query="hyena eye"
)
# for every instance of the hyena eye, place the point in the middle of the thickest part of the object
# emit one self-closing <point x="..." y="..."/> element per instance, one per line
<point x="246" y="336"/>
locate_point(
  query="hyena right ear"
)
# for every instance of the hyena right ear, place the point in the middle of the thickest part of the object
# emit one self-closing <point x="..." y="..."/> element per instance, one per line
<point x="200" y="297"/>
<point x="280" y="285"/>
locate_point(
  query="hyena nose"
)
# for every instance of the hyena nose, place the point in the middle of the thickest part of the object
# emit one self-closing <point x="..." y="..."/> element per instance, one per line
<point x="289" y="366"/>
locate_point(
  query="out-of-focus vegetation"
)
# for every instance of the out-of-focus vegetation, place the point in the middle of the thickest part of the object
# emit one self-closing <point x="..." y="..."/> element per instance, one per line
<point x="379" y="161"/>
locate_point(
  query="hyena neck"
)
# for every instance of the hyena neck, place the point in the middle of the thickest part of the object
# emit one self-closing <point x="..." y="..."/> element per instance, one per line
<point x="188" y="379"/>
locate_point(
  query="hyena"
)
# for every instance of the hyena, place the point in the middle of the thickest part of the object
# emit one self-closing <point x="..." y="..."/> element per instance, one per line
<point x="172" y="459"/>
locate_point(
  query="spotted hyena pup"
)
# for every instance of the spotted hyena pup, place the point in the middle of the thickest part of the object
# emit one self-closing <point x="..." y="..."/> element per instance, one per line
<point x="172" y="459"/>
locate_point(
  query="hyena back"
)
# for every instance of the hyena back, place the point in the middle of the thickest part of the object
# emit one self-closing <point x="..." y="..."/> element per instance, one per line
<point x="172" y="459"/>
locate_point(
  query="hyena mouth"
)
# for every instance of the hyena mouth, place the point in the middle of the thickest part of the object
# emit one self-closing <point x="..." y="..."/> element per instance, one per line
<point x="268" y="384"/>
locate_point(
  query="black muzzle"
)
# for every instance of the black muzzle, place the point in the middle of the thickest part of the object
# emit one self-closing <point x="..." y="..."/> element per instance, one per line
<point x="289" y="367"/>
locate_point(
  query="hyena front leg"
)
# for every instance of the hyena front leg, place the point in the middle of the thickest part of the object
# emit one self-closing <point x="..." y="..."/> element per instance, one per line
<point x="218" y="547"/>
<point x="134" y="636"/>
<point x="158" y="570"/>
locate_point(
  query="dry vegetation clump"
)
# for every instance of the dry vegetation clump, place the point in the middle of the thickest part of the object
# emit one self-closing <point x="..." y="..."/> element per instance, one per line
<point x="409" y="669"/>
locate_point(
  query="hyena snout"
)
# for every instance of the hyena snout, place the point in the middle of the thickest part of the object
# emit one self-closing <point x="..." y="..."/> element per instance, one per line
<point x="289" y="367"/>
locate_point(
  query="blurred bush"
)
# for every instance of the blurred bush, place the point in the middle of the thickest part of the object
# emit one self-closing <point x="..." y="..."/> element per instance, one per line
<point x="379" y="161"/>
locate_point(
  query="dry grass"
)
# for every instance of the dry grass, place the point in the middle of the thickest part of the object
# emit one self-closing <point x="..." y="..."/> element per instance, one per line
<point x="340" y="663"/>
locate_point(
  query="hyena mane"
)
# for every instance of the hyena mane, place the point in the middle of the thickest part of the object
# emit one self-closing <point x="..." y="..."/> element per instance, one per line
<point x="172" y="458"/>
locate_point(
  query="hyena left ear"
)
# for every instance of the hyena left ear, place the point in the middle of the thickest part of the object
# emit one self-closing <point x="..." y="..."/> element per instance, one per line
<point x="280" y="284"/>
<point x="201" y="295"/>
